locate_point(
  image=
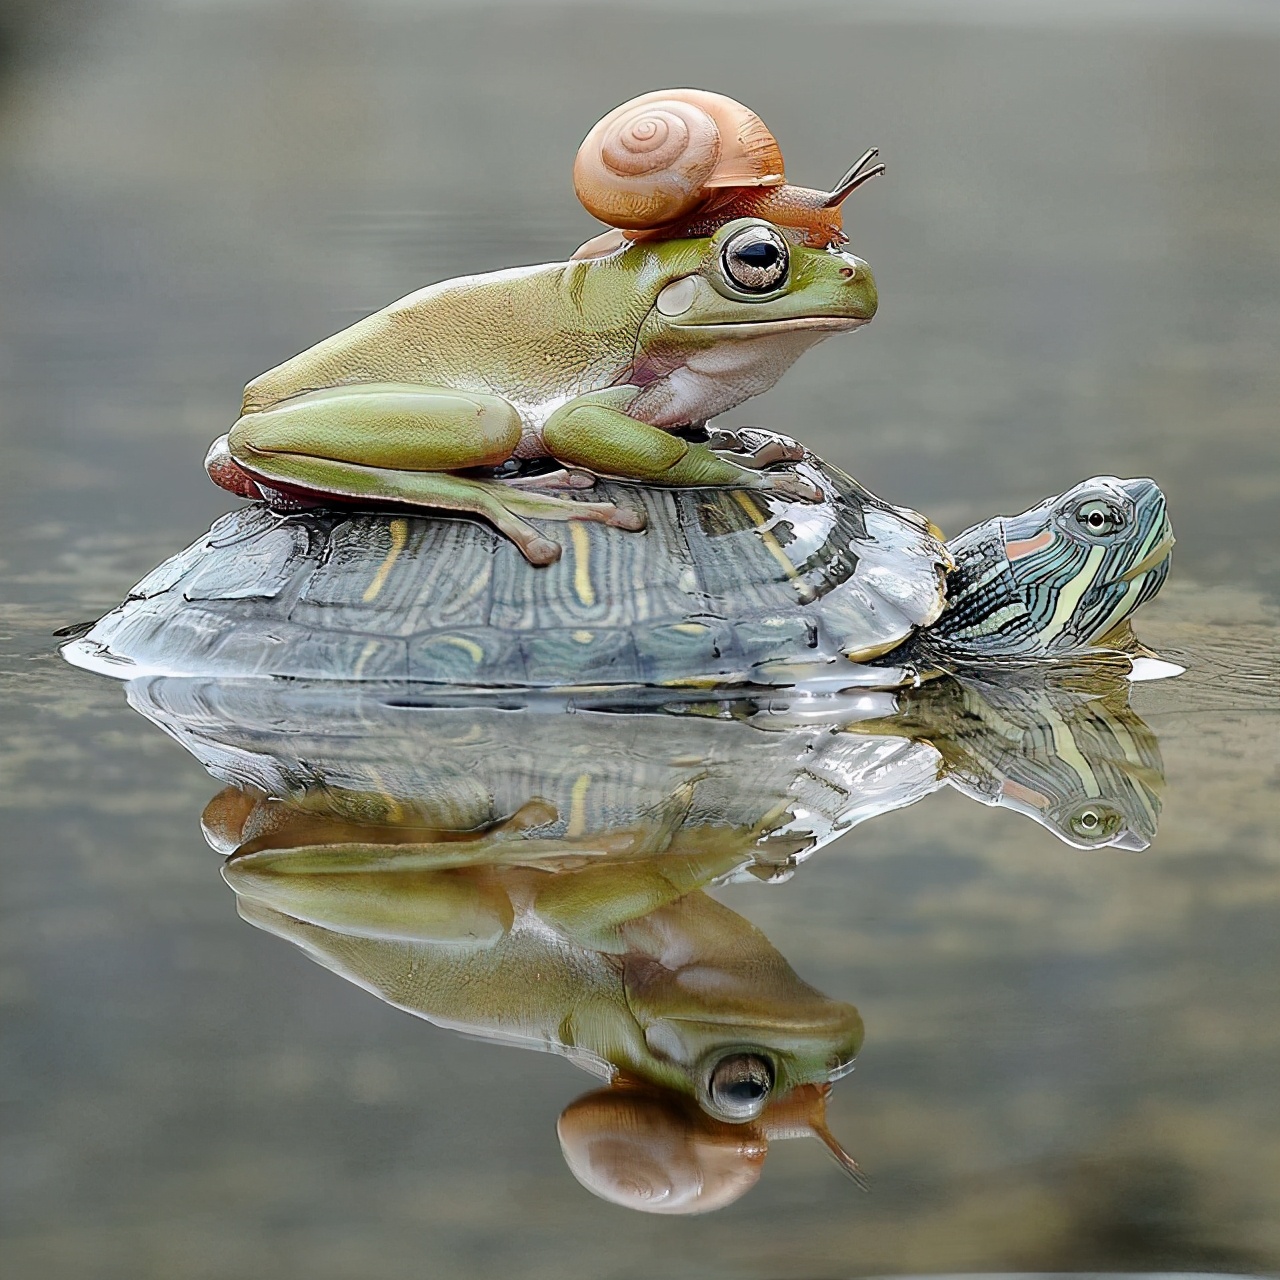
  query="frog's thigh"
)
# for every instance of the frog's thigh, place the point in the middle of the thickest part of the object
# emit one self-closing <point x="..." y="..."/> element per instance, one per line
<point x="396" y="426"/>
<point x="604" y="440"/>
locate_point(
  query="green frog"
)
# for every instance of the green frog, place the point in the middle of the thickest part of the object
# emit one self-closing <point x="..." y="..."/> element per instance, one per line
<point x="451" y="398"/>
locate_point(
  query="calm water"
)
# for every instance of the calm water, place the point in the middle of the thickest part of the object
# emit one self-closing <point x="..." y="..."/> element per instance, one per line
<point x="1070" y="1057"/>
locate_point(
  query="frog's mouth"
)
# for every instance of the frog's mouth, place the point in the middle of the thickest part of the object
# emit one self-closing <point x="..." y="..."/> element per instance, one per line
<point x="762" y="328"/>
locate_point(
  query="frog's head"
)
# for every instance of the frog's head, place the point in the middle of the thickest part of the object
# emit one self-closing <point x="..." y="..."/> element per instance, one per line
<point x="737" y="1029"/>
<point x="747" y="281"/>
<point x="1058" y="577"/>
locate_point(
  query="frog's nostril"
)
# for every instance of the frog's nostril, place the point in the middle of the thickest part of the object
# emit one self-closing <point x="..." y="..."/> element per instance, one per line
<point x="848" y="272"/>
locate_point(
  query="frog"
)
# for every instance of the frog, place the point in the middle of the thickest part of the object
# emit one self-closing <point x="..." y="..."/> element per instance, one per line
<point x="601" y="946"/>
<point x="500" y="395"/>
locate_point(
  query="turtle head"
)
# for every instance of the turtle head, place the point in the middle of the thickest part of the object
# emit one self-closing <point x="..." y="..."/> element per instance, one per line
<point x="1059" y="577"/>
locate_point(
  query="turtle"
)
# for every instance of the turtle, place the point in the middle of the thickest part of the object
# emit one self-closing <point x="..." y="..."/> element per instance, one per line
<point x="726" y="588"/>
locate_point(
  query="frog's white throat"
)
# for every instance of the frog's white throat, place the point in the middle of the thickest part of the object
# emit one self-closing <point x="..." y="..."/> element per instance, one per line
<point x="715" y="379"/>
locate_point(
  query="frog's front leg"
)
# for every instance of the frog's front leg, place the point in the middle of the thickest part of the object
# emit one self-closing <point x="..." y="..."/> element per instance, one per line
<point x="595" y="431"/>
<point x="754" y="447"/>
<point x="394" y="442"/>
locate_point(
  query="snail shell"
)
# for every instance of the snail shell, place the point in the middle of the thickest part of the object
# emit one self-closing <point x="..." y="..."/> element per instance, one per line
<point x="657" y="158"/>
<point x="647" y="1149"/>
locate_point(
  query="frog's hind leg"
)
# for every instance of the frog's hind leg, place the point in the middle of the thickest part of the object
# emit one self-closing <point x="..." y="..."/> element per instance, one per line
<point x="390" y="442"/>
<point x="444" y="492"/>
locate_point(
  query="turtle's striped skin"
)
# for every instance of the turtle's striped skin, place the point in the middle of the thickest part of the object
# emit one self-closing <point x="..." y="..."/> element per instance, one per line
<point x="1056" y="578"/>
<point x="725" y="588"/>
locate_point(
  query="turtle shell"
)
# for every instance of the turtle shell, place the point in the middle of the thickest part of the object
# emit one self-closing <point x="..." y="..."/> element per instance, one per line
<point x="724" y="587"/>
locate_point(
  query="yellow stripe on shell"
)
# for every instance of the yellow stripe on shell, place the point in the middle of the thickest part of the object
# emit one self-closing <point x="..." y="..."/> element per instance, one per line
<point x="577" y="824"/>
<point x="473" y="650"/>
<point x="758" y="518"/>
<point x="370" y="648"/>
<point x="399" y="530"/>
<point x="582" y="584"/>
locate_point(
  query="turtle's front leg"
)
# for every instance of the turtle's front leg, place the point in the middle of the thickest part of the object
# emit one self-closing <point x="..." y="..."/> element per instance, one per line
<point x="401" y="443"/>
<point x="595" y="432"/>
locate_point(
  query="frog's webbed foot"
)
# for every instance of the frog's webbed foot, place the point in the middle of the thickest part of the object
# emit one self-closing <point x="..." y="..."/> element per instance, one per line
<point x="789" y="484"/>
<point x="519" y="502"/>
<point x="558" y="481"/>
<point x="751" y="447"/>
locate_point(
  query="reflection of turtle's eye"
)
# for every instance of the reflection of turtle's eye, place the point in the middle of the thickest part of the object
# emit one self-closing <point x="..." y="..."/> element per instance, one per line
<point x="739" y="1086"/>
<point x="1100" y="517"/>
<point x="1095" y="823"/>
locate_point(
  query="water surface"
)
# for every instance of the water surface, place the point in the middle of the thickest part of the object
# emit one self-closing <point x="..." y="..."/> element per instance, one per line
<point x="1070" y="1056"/>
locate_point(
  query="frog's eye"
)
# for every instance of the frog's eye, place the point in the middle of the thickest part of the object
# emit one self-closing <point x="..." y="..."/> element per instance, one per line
<point x="739" y="1087"/>
<point x="755" y="260"/>
<point x="1100" y="517"/>
<point x="1095" y="824"/>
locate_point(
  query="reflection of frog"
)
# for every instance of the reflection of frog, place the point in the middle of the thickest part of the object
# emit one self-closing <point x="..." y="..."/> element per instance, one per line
<point x="590" y="363"/>
<point x="605" y="950"/>
<point x="637" y="971"/>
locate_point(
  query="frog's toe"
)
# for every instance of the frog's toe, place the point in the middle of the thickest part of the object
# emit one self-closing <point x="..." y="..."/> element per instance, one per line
<point x="782" y="449"/>
<point x="551" y="481"/>
<point x="629" y="518"/>
<point x="789" y="484"/>
<point x="764" y="450"/>
<point x="227" y="474"/>
<point x="769" y="447"/>
<point x="541" y="551"/>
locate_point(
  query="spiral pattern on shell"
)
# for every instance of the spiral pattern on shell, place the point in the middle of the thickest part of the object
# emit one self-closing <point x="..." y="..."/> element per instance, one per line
<point x="647" y="1150"/>
<point x="653" y="160"/>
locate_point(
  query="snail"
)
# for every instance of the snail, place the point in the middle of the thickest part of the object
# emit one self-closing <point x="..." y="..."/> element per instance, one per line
<point x="682" y="162"/>
<point x="647" y="1148"/>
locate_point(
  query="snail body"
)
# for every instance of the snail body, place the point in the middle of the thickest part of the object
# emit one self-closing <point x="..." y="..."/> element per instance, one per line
<point x="683" y="162"/>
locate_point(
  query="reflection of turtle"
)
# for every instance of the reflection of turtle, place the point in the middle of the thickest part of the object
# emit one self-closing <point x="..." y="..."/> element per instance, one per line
<point x="786" y="776"/>
<point x="725" y="588"/>
<point x="1078" y="761"/>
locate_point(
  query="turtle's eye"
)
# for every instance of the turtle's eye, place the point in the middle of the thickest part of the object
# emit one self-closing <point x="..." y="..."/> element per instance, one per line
<point x="1095" y="824"/>
<point x="739" y="1086"/>
<point x="755" y="259"/>
<point x="1100" y="517"/>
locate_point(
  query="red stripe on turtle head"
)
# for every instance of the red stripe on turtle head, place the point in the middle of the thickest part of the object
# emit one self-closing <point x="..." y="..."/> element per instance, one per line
<point x="1027" y="546"/>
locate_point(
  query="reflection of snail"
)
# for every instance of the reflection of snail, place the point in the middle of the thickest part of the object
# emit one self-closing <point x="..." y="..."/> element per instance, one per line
<point x="682" y="162"/>
<point x="648" y="1148"/>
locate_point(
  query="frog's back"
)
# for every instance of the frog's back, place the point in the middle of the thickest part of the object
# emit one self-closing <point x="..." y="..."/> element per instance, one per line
<point x="724" y="587"/>
<point x="518" y="333"/>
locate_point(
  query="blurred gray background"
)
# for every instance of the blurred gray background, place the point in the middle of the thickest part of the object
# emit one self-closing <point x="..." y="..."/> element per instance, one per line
<point x="1071" y="1059"/>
